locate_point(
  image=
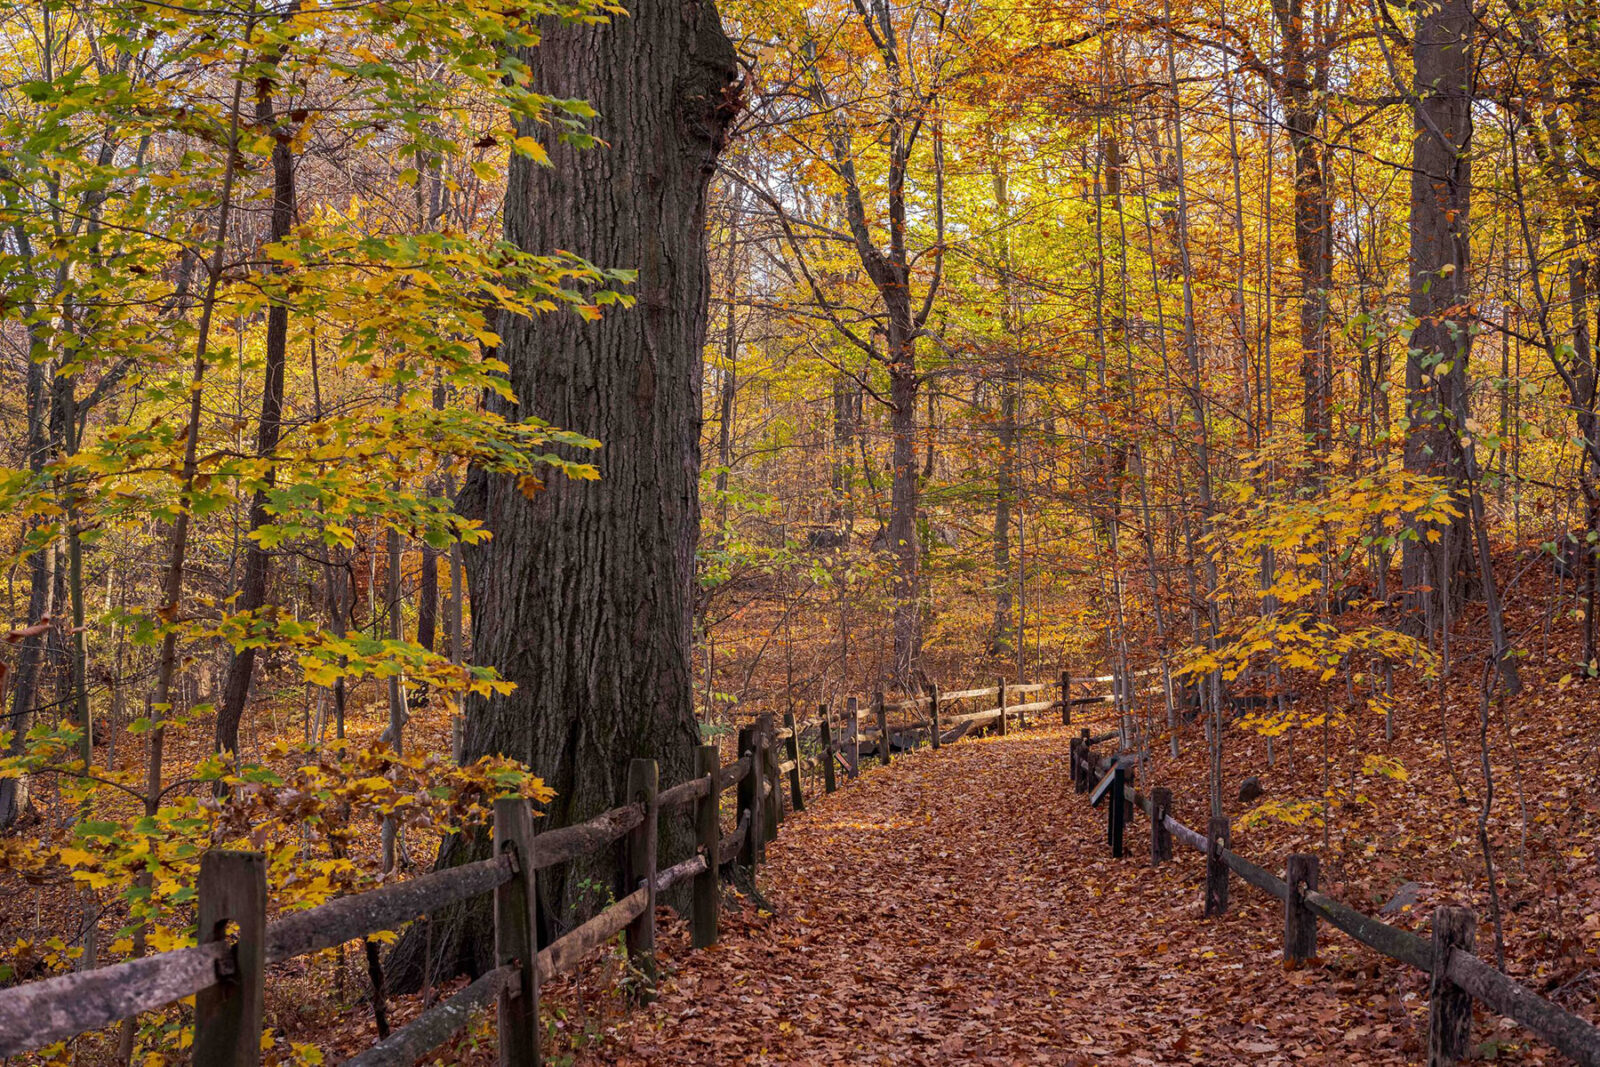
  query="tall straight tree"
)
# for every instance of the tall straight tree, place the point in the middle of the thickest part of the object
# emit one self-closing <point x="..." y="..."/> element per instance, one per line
<point x="583" y="596"/>
<point x="1302" y="87"/>
<point x="870" y="143"/>
<point x="257" y="560"/>
<point x="1436" y="367"/>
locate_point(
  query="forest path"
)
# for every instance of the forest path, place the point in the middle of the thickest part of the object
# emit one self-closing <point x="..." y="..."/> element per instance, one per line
<point x="961" y="907"/>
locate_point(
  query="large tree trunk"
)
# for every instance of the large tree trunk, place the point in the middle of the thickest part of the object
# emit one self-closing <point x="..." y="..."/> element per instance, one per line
<point x="1436" y="369"/>
<point x="584" y="595"/>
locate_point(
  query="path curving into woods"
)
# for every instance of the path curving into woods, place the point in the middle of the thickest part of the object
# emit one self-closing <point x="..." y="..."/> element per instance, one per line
<point x="961" y="907"/>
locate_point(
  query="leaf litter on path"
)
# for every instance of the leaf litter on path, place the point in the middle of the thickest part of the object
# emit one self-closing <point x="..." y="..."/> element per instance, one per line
<point x="961" y="906"/>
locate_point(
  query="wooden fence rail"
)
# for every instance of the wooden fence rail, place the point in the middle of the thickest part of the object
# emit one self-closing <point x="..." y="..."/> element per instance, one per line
<point x="1457" y="976"/>
<point x="226" y="973"/>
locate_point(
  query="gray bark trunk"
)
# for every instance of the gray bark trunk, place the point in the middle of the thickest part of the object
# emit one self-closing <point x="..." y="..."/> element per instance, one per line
<point x="1005" y="483"/>
<point x="1436" y="369"/>
<point x="584" y="596"/>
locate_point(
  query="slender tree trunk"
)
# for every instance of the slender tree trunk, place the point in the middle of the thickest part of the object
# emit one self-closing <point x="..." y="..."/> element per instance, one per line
<point x="728" y="387"/>
<point x="1579" y="271"/>
<point x="1436" y="368"/>
<point x="257" y="561"/>
<point x="42" y="566"/>
<point x="1194" y="390"/>
<point x="903" y="493"/>
<point x="428" y="601"/>
<point x="890" y="269"/>
<point x="25" y="689"/>
<point x="846" y="418"/>
<point x="1301" y="92"/>
<point x="428" y="576"/>
<point x="584" y="595"/>
<point x="1005" y="482"/>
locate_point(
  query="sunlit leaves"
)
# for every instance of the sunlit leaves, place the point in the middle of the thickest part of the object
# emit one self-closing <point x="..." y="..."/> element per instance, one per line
<point x="1316" y="537"/>
<point x="130" y="134"/>
<point x="303" y="807"/>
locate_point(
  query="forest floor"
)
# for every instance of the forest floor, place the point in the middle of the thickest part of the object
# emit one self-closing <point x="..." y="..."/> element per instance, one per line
<point x="962" y="907"/>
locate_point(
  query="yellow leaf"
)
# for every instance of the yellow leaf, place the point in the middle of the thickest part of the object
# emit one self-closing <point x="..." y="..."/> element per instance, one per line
<point x="533" y="150"/>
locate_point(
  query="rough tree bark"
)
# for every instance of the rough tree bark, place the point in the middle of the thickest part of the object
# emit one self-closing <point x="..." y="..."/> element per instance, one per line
<point x="1436" y="367"/>
<point x="584" y="595"/>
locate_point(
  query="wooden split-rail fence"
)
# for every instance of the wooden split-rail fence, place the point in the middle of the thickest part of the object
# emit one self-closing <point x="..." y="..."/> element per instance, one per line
<point x="227" y="975"/>
<point x="1457" y="976"/>
<point x="226" y="971"/>
<point x="937" y="718"/>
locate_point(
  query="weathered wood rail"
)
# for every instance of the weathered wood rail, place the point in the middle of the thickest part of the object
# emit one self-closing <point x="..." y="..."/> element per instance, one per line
<point x="1457" y="977"/>
<point x="832" y="741"/>
<point x="227" y="975"/>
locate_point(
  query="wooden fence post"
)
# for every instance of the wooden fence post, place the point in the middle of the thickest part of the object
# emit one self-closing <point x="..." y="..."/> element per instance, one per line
<point x="772" y="794"/>
<point x="779" y="809"/>
<point x="1449" y="1006"/>
<point x="643" y="783"/>
<point x="1216" y="867"/>
<point x="227" y="1016"/>
<point x="1117" y="811"/>
<point x="1299" y="921"/>
<point x="749" y="795"/>
<point x="1002" y="696"/>
<point x="1160" y="836"/>
<point x="829" y="782"/>
<point x="707" y="896"/>
<point x="881" y="712"/>
<point x="515" y="920"/>
<point x="796" y="797"/>
<point x="852" y="738"/>
<point x="1085" y="754"/>
<point x="1066" y="699"/>
<point x="933" y="714"/>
